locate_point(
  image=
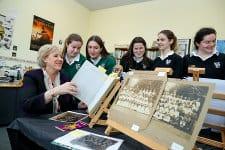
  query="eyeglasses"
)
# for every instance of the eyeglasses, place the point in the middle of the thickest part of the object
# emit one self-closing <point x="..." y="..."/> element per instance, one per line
<point x="209" y="42"/>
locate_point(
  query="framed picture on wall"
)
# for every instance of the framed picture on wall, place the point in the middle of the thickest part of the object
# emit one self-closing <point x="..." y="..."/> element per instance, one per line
<point x="183" y="47"/>
<point x="6" y="31"/>
<point x="220" y="46"/>
<point x="42" y="33"/>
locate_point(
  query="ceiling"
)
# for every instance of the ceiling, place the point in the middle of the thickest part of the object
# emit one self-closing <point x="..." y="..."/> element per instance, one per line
<point x="102" y="4"/>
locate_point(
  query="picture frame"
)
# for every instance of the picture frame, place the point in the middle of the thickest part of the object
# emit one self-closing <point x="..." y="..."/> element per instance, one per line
<point x="220" y="46"/>
<point x="42" y="33"/>
<point x="183" y="47"/>
<point x="6" y="31"/>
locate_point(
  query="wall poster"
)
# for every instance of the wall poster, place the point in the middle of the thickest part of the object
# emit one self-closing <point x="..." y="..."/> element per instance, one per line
<point x="42" y="33"/>
<point x="6" y="31"/>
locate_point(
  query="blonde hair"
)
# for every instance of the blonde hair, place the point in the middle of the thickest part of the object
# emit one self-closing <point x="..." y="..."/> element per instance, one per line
<point x="44" y="52"/>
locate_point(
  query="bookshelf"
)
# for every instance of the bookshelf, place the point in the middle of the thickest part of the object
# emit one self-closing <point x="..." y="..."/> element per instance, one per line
<point x="152" y="53"/>
<point x="120" y="50"/>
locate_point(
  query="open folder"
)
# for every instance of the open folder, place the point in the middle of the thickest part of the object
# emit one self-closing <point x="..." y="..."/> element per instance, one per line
<point x="93" y="85"/>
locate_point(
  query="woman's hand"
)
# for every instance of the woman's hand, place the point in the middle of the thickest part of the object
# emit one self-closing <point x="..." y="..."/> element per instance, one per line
<point x="66" y="88"/>
<point x="82" y="105"/>
<point x="118" y="69"/>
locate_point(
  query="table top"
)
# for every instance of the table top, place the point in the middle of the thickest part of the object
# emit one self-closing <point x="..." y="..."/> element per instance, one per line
<point x="15" y="84"/>
<point x="42" y="131"/>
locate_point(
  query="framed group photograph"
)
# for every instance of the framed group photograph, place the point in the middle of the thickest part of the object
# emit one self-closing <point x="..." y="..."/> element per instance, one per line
<point x="183" y="47"/>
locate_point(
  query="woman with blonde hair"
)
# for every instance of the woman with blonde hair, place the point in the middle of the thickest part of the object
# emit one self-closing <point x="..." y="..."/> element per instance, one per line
<point x="47" y="90"/>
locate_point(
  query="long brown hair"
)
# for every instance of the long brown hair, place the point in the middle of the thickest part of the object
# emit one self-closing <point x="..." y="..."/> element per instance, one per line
<point x="201" y="33"/>
<point x="72" y="37"/>
<point x="171" y="36"/>
<point x="98" y="40"/>
<point x="130" y="54"/>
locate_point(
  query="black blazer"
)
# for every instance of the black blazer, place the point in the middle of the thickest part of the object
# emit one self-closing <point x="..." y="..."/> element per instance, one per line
<point x="33" y="90"/>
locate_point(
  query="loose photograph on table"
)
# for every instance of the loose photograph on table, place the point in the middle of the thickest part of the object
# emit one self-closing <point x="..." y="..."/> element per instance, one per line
<point x="84" y="140"/>
<point x="69" y="116"/>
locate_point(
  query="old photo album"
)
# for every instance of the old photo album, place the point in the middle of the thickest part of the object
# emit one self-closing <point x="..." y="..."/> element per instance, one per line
<point x="93" y="85"/>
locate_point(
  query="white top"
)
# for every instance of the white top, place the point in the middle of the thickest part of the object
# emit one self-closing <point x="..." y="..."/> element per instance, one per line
<point x="70" y="62"/>
<point x="95" y="61"/>
<point x="205" y="58"/>
<point x="167" y="55"/>
<point x="49" y="84"/>
<point x="138" y="59"/>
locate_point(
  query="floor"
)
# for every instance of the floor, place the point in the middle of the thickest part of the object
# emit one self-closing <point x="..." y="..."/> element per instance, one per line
<point x="4" y="142"/>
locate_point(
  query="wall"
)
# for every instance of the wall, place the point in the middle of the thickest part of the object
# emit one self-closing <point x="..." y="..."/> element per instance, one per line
<point x="115" y="25"/>
<point x="120" y="25"/>
<point x="68" y="16"/>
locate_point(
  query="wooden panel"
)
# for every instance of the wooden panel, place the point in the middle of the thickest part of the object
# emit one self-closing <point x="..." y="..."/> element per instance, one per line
<point x="147" y="141"/>
<point x="12" y="84"/>
<point x="199" y="70"/>
<point x="169" y="71"/>
<point x="219" y="96"/>
<point x="210" y="142"/>
<point x="214" y="126"/>
<point x="216" y="112"/>
<point x="223" y="137"/>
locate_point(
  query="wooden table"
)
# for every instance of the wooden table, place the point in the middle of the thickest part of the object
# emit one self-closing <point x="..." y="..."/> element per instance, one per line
<point x="9" y="101"/>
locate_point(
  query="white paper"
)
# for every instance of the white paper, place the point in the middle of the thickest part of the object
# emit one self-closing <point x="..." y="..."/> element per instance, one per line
<point x="135" y="127"/>
<point x="92" y="84"/>
<point x="162" y="74"/>
<point x="71" y="141"/>
<point x="175" y="146"/>
<point x="101" y="93"/>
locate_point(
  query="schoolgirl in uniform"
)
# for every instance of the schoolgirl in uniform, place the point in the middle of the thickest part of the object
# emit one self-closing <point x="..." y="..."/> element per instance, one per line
<point x="206" y="56"/>
<point x="167" y="42"/>
<point x="73" y="59"/>
<point x="97" y="54"/>
<point x="135" y="58"/>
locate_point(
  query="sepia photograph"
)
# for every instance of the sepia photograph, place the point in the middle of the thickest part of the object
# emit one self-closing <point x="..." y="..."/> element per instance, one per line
<point x="94" y="142"/>
<point x="139" y="94"/>
<point x="69" y="116"/>
<point x="180" y="105"/>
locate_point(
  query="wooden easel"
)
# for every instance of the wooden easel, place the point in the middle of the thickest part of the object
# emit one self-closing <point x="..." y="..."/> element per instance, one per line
<point x="95" y="118"/>
<point x="219" y="127"/>
<point x="112" y="126"/>
<point x="196" y="72"/>
<point x="169" y="71"/>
